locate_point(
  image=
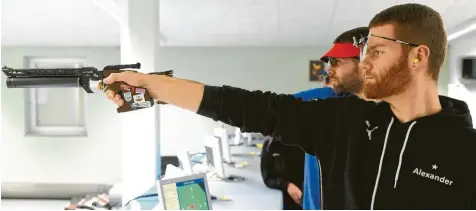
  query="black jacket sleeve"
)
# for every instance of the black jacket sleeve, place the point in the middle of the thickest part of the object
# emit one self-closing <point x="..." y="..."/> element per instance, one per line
<point x="271" y="171"/>
<point x="309" y="124"/>
<point x="473" y="199"/>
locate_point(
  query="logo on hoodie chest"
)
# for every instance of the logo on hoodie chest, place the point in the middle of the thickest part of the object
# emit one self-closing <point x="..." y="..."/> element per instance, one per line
<point x="370" y="129"/>
<point x="433" y="175"/>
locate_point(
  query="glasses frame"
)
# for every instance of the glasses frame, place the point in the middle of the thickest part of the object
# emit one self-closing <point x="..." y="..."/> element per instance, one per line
<point x="331" y="60"/>
<point x="362" y="43"/>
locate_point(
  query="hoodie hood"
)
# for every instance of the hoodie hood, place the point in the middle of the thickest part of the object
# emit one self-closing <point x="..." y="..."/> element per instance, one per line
<point x="454" y="112"/>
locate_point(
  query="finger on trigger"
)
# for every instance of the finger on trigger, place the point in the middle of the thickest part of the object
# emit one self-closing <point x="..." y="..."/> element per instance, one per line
<point x="110" y="79"/>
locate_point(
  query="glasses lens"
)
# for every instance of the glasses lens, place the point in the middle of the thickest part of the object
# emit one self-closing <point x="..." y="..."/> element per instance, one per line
<point x="363" y="52"/>
<point x="332" y="62"/>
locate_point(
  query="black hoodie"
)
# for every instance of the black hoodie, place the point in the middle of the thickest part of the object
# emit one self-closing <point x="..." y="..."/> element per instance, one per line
<point x="281" y="165"/>
<point x="368" y="159"/>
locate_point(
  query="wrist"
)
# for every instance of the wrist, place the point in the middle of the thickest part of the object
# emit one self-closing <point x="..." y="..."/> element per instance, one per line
<point x="151" y="81"/>
<point x="285" y="185"/>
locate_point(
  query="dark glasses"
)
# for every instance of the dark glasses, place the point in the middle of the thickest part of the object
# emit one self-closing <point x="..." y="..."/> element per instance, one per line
<point x="331" y="62"/>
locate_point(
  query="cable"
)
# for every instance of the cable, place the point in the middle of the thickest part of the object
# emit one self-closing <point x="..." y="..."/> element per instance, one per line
<point x="142" y="196"/>
<point x="213" y="197"/>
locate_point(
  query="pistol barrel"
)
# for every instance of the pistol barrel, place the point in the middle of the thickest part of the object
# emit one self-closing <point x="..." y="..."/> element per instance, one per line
<point x="123" y="66"/>
<point x="43" y="82"/>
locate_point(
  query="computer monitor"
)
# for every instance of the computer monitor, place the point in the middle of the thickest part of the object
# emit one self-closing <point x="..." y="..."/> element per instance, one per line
<point x="237" y="139"/>
<point x="210" y="159"/>
<point x="184" y="193"/>
<point x="185" y="162"/>
<point x="248" y="137"/>
<point x="225" y="144"/>
<point x="214" y="159"/>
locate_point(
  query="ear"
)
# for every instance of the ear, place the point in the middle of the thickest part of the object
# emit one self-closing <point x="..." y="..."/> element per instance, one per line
<point x="419" y="56"/>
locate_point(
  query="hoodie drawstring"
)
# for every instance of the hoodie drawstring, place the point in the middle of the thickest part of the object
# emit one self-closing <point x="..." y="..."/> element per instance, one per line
<point x="380" y="165"/>
<point x="401" y="154"/>
<point x="383" y="155"/>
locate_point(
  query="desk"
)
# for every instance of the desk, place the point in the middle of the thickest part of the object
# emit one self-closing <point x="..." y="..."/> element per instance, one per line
<point x="250" y="194"/>
<point x="33" y="204"/>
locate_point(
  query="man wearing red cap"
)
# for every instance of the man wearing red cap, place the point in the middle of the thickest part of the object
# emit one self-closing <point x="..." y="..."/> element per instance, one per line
<point x="343" y="58"/>
<point x="345" y="79"/>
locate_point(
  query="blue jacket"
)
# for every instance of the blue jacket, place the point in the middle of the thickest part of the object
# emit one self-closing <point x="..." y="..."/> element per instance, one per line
<point x="311" y="198"/>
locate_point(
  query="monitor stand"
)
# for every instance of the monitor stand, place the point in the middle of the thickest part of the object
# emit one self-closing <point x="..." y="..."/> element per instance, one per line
<point x="213" y="176"/>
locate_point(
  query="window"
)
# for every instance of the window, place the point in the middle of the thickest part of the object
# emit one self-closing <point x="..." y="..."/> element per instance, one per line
<point x="55" y="111"/>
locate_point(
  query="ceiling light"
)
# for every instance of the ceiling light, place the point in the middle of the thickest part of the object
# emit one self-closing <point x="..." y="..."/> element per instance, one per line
<point x="462" y="30"/>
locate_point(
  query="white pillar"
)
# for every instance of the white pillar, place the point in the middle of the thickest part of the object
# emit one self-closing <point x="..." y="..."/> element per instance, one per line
<point x="140" y="140"/>
<point x="1" y="120"/>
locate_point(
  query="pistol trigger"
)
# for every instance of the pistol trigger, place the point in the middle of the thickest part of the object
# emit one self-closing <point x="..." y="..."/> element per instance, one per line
<point x="101" y="85"/>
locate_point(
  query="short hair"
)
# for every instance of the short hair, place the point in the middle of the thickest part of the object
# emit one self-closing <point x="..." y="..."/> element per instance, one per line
<point x="348" y="36"/>
<point x="418" y="24"/>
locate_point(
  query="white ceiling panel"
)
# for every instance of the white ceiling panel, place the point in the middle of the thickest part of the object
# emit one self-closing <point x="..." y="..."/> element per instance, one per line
<point x="459" y="13"/>
<point x="245" y="22"/>
<point x="305" y="21"/>
<point x="207" y="22"/>
<point x="352" y="14"/>
<point x="56" y="22"/>
<point x="197" y="22"/>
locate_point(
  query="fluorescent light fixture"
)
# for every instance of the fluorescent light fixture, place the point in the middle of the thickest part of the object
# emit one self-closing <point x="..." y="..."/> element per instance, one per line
<point x="463" y="29"/>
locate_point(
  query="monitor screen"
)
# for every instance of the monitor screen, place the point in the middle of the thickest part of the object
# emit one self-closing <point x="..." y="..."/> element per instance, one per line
<point x="209" y="152"/>
<point x="469" y="68"/>
<point x="186" y="195"/>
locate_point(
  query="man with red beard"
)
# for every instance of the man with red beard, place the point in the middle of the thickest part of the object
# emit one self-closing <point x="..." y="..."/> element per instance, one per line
<point x="412" y="150"/>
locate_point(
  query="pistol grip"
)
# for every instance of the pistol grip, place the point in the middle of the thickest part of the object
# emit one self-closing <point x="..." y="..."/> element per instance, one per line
<point x="135" y="98"/>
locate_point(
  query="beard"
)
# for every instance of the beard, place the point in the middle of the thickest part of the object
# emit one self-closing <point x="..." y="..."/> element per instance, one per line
<point x="393" y="81"/>
<point x="351" y="84"/>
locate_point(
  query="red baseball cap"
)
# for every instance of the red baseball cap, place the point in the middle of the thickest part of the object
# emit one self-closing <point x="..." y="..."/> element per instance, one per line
<point x="341" y="50"/>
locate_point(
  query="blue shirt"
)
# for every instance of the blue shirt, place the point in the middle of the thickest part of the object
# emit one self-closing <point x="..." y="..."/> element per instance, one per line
<point x="311" y="198"/>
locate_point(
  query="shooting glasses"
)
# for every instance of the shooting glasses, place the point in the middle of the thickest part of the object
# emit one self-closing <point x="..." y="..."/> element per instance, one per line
<point x="361" y="43"/>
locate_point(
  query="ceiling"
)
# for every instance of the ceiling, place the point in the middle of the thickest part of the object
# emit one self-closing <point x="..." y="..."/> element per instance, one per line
<point x="207" y="22"/>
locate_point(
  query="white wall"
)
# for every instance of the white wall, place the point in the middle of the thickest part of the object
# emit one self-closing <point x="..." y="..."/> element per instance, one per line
<point x="60" y="159"/>
<point x="443" y="78"/>
<point x="283" y="70"/>
<point x="463" y="90"/>
<point x="38" y="159"/>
